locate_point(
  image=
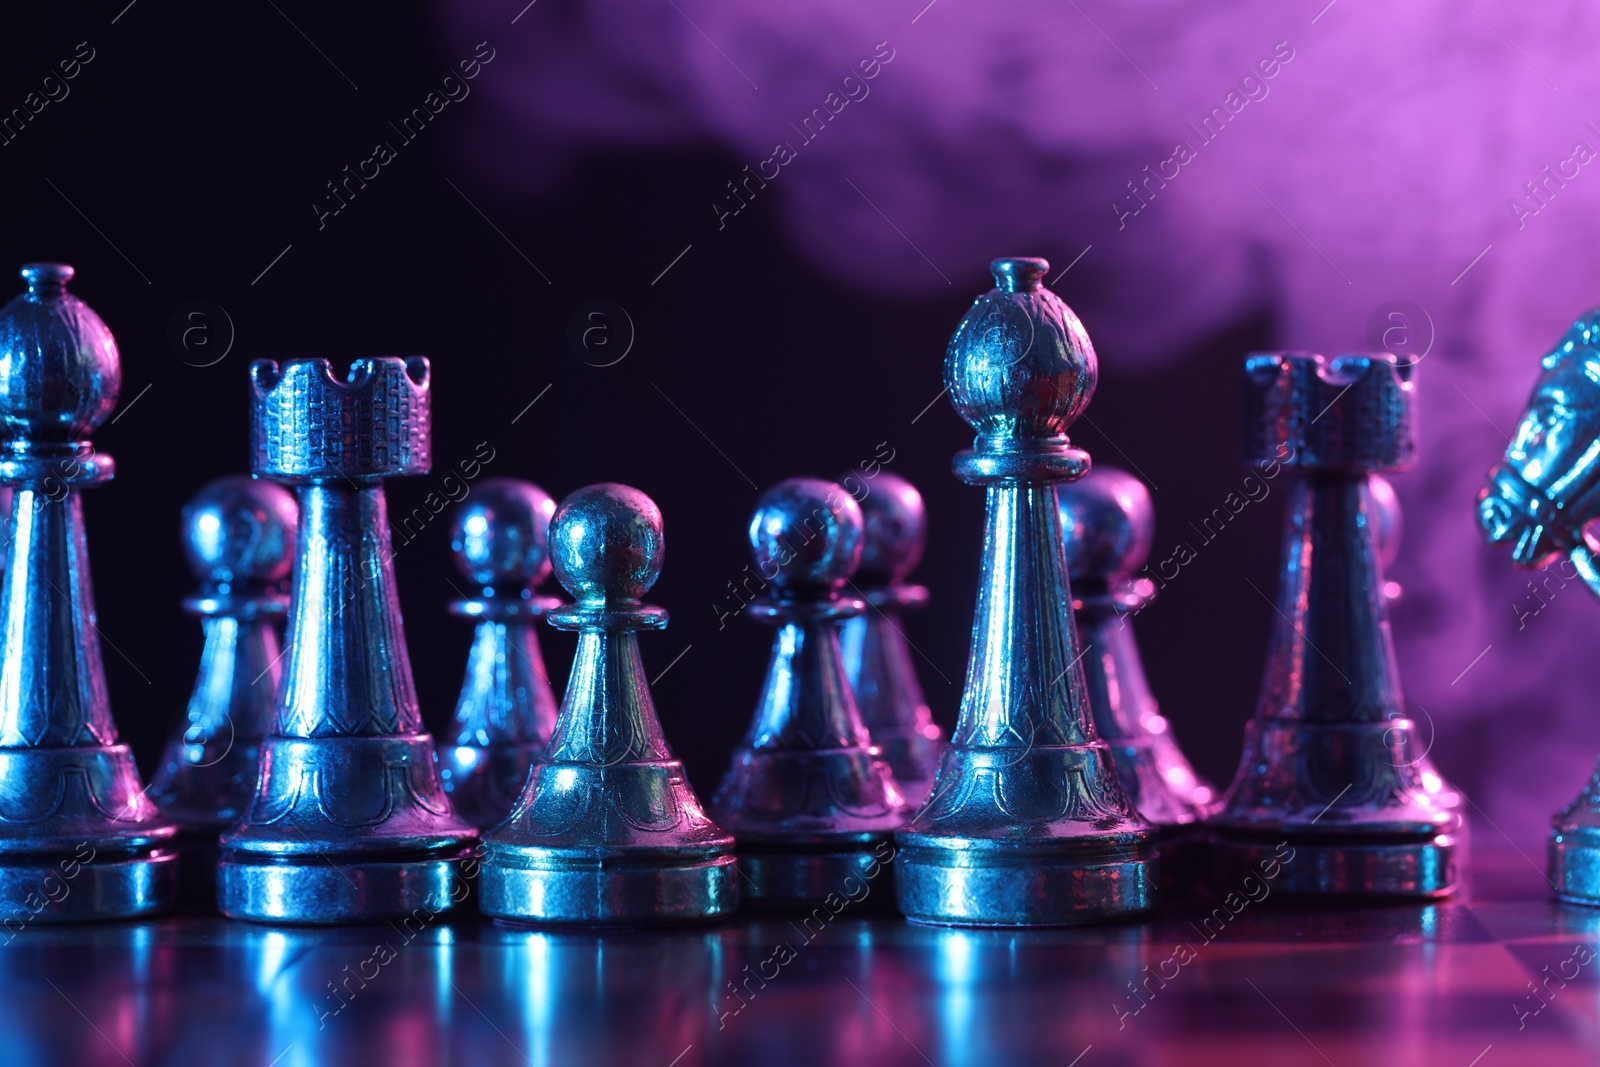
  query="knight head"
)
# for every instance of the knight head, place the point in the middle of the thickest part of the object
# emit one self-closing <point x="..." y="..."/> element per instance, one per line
<point x="1546" y="488"/>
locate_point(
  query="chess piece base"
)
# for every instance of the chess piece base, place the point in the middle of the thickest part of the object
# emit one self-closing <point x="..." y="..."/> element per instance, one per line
<point x="537" y="887"/>
<point x="1025" y="886"/>
<point x="1355" y="867"/>
<point x="779" y="876"/>
<point x="108" y="886"/>
<point x="323" y="890"/>
<point x="1575" y="867"/>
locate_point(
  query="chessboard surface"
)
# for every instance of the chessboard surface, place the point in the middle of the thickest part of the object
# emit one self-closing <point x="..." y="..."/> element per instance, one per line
<point x="1448" y="983"/>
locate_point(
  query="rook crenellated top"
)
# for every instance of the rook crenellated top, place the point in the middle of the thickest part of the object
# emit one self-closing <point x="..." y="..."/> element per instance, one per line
<point x="307" y="426"/>
<point x="1352" y="412"/>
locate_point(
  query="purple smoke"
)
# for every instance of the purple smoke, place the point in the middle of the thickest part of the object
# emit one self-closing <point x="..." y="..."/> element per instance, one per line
<point x="1214" y="157"/>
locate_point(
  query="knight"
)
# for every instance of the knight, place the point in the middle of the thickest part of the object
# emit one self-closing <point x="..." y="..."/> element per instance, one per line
<point x="349" y="821"/>
<point x="1333" y="768"/>
<point x="1538" y="500"/>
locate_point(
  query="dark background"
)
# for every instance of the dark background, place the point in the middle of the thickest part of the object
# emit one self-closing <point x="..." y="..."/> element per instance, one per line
<point x="186" y="158"/>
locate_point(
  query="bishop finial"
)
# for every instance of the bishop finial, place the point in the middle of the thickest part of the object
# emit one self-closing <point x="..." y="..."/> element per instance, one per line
<point x="59" y="367"/>
<point x="1020" y="369"/>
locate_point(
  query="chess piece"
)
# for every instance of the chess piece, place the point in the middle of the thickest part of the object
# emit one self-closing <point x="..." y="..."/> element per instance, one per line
<point x="607" y="830"/>
<point x="877" y="656"/>
<point x="238" y="535"/>
<point x="1539" y="498"/>
<point x="349" y="821"/>
<point x="1028" y="823"/>
<point x="811" y="802"/>
<point x="1332" y="767"/>
<point x="1109" y="524"/>
<point x="500" y="537"/>
<point x="79" y="838"/>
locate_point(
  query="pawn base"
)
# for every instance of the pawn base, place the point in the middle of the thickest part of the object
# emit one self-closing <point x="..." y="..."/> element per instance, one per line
<point x="1025" y="886"/>
<point x="537" y="888"/>
<point x="1575" y="868"/>
<point x="1327" y="867"/>
<point x="331" y="889"/>
<point x="70" y="889"/>
<point x="801" y="878"/>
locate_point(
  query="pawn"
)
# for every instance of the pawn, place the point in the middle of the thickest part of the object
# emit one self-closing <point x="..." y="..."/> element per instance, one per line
<point x="500" y="537"/>
<point x="238" y="536"/>
<point x="812" y="803"/>
<point x="607" y="830"/>
<point x="1108" y="523"/>
<point x="877" y="657"/>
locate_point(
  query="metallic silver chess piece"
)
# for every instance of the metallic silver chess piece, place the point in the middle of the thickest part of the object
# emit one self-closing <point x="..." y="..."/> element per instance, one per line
<point x="812" y="803"/>
<point x="877" y="656"/>
<point x="1028" y="823"/>
<point x="1538" y="500"/>
<point x="238" y="535"/>
<point x="349" y="821"/>
<point x="608" y="831"/>
<point x="500" y="535"/>
<point x="1332" y="766"/>
<point x="79" y="838"/>
<point x="1109" y="524"/>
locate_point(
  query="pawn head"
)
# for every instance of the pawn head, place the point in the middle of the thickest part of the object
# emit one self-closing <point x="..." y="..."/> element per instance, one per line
<point x="606" y="543"/>
<point x="896" y="527"/>
<point x="500" y="534"/>
<point x="806" y="535"/>
<point x="239" y="530"/>
<point x="1107" y="522"/>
